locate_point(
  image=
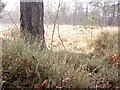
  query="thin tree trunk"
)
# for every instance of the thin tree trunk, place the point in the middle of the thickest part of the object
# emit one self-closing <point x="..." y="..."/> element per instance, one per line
<point x="118" y="15"/>
<point x="113" y="15"/>
<point x="87" y="13"/>
<point x="104" y="21"/>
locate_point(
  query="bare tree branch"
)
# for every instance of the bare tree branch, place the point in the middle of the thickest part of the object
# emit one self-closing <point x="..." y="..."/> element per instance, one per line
<point x="57" y="16"/>
<point x="60" y="38"/>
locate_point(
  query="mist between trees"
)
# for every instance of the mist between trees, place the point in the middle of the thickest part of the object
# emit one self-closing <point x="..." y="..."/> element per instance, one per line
<point x="101" y="13"/>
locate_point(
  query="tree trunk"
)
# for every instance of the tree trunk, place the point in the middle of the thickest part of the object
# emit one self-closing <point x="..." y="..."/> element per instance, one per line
<point x="118" y="22"/>
<point x="113" y="15"/>
<point x="118" y="15"/>
<point x="31" y="19"/>
<point x="87" y="13"/>
<point x="104" y="17"/>
<point x="2" y="5"/>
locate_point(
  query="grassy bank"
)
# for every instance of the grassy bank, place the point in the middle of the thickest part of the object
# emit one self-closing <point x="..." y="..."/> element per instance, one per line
<point x="25" y="65"/>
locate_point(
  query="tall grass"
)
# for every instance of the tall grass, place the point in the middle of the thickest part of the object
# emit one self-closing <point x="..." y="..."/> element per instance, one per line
<point x="26" y="65"/>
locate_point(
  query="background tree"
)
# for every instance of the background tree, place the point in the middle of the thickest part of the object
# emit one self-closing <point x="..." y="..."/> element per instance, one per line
<point x="118" y="14"/>
<point x="2" y="5"/>
<point x="31" y="19"/>
<point x="108" y="11"/>
<point x="63" y="14"/>
<point x="78" y="13"/>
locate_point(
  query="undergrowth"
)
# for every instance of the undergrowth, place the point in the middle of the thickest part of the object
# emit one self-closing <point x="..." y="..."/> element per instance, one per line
<point x="26" y="65"/>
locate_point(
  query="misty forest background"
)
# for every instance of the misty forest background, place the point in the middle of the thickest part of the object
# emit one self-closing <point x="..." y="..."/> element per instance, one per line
<point x="81" y="13"/>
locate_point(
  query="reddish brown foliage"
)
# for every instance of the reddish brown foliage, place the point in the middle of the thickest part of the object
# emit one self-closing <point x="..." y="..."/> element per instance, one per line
<point x="115" y="58"/>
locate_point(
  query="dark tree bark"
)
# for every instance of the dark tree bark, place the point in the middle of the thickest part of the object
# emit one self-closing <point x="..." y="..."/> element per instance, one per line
<point x="31" y="19"/>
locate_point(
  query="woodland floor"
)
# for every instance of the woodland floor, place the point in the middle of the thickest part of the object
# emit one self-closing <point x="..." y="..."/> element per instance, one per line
<point x="82" y="57"/>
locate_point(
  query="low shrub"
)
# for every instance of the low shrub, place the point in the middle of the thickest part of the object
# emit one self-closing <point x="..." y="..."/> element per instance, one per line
<point x="26" y="65"/>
